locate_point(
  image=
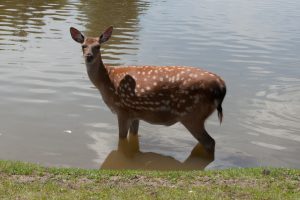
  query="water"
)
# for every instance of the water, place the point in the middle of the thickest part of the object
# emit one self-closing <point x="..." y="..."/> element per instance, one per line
<point x="51" y="114"/>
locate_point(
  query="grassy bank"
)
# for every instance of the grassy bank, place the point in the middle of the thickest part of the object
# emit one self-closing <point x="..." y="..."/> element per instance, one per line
<point x="29" y="181"/>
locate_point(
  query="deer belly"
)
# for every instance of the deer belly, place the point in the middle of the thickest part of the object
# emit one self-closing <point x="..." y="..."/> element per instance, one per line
<point x="159" y="118"/>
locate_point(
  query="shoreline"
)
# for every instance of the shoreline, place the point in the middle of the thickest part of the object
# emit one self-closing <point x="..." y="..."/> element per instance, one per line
<point x="20" y="180"/>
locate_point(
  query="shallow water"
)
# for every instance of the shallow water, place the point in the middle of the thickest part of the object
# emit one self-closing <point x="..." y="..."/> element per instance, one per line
<point x="51" y="114"/>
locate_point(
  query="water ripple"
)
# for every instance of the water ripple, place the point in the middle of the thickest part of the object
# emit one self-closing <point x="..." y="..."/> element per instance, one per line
<point x="275" y="110"/>
<point x="44" y="89"/>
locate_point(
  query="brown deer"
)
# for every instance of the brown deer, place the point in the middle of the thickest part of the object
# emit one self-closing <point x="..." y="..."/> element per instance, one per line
<point x="156" y="94"/>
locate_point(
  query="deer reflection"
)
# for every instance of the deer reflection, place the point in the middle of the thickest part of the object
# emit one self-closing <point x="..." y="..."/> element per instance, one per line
<point x="129" y="156"/>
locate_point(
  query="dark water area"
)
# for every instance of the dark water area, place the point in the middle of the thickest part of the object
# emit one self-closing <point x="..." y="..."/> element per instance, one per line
<point x="51" y="114"/>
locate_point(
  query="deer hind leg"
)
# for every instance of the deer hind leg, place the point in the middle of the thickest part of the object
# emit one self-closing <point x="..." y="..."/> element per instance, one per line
<point x="197" y="129"/>
<point x="134" y="127"/>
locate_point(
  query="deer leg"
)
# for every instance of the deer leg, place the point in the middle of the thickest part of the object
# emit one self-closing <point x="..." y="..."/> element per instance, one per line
<point x="124" y="124"/>
<point x="198" y="131"/>
<point x="134" y="127"/>
<point x="129" y="146"/>
<point x="208" y="141"/>
<point x="133" y="141"/>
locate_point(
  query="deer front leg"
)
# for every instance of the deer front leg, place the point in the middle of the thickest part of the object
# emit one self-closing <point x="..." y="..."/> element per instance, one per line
<point x="124" y="124"/>
<point x="129" y="146"/>
<point x="134" y="127"/>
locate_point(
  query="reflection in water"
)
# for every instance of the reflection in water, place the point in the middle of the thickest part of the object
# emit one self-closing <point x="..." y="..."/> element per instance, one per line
<point x="18" y="19"/>
<point x="121" y="14"/>
<point x="129" y="156"/>
<point x="124" y="16"/>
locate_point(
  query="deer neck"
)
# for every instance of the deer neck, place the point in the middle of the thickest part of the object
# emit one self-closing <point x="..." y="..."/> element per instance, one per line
<point x="98" y="74"/>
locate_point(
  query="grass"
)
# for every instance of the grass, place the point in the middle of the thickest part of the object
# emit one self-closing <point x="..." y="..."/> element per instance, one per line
<point x="20" y="180"/>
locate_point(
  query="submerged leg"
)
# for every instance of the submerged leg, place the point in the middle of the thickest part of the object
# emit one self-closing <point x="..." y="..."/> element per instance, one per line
<point x="198" y="131"/>
<point x="134" y="127"/>
<point x="129" y="146"/>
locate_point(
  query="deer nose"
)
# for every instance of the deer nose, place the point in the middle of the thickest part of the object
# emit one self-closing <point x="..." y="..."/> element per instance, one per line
<point x="89" y="56"/>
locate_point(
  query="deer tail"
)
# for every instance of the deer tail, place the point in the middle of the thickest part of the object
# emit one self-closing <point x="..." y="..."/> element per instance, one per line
<point x="220" y="113"/>
<point x="219" y="100"/>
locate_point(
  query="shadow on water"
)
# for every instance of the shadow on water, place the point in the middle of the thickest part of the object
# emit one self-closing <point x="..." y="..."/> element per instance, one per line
<point x="129" y="156"/>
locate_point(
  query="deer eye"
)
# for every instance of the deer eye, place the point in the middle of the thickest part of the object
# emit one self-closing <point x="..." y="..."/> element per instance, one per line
<point x="84" y="46"/>
<point x="97" y="46"/>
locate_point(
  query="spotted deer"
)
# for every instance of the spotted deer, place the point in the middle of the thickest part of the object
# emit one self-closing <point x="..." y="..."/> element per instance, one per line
<point x="161" y="95"/>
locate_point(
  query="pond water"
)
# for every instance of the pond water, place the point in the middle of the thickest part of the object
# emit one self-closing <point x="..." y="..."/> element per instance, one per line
<point x="51" y="114"/>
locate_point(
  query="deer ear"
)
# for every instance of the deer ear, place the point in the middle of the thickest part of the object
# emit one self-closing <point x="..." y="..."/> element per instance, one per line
<point x="105" y="35"/>
<point x="76" y="35"/>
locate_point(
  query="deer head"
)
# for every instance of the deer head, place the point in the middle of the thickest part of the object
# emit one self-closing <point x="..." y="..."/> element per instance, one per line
<point x="91" y="45"/>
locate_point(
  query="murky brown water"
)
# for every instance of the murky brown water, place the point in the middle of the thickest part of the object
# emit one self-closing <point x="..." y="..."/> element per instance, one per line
<point x="51" y="114"/>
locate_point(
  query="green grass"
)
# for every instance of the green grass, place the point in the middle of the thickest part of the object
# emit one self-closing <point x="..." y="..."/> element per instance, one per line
<point x="20" y="180"/>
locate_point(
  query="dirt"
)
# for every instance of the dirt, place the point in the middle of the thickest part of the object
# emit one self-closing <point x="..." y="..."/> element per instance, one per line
<point x="136" y="180"/>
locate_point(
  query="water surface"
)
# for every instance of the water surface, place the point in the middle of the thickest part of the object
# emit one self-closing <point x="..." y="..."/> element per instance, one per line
<point x="51" y="114"/>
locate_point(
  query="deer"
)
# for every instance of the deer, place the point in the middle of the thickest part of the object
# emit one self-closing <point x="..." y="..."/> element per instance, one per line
<point x="162" y="95"/>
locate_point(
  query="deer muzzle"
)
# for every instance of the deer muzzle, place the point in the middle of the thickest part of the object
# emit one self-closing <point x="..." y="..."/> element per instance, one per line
<point x="89" y="57"/>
